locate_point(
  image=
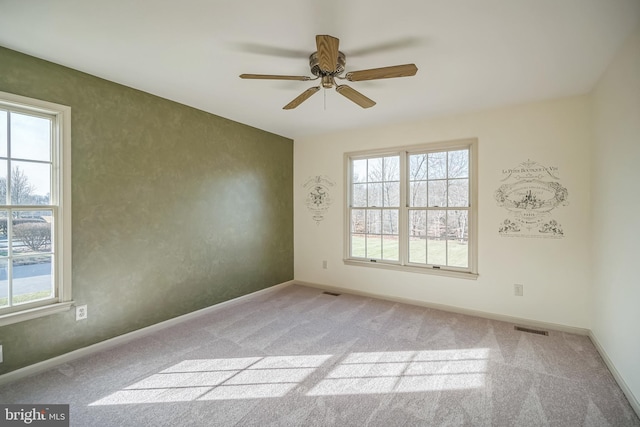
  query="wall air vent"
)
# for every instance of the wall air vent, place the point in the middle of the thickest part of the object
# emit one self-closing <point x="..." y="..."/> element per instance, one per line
<point x="531" y="331"/>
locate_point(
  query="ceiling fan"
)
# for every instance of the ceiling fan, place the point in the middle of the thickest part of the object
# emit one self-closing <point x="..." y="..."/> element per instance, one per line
<point x="328" y="64"/>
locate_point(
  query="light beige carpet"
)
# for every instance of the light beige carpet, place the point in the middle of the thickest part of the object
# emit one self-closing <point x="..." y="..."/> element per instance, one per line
<point x="298" y="357"/>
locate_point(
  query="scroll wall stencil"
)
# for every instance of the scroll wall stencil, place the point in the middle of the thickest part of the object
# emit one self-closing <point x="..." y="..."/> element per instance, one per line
<point x="530" y="194"/>
<point x="318" y="198"/>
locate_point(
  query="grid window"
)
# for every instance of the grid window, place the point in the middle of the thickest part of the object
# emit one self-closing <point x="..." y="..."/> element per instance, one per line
<point x="414" y="207"/>
<point x="376" y="205"/>
<point x="33" y="277"/>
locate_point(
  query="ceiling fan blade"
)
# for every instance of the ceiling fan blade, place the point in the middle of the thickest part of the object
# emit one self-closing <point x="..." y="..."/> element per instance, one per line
<point x="355" y="96"/>
<point x="401" y="43"/>
<point x="273" y="77"/>
<point x="301" y="98"/>
<point x="405" y="70"/>
<point x="269" y="50"/>
<point x="327" y="52"/>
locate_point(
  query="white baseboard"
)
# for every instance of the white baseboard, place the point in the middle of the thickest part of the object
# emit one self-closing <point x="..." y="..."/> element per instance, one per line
<point x="45" y="365"/>
<point x="633" y="401"/>
<point x="493" y="316"/>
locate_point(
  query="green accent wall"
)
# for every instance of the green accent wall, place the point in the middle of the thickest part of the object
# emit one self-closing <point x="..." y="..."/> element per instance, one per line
<point x="173" y="209"/>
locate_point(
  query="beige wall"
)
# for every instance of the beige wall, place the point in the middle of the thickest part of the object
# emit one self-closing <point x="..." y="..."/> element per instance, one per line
<point x="555" y="273"/>
<point x="616" y="208"/>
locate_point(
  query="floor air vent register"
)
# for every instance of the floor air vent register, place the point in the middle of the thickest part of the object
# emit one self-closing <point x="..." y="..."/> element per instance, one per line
<point x="531" y="331"/>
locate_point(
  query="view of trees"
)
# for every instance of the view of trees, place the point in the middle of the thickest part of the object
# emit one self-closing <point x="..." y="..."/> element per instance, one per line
<point x="376" y="184"/>
<point x="439" y="180"/>
<point x="22" y="192"/>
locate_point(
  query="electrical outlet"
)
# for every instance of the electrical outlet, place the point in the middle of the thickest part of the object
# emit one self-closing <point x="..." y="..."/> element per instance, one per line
<point x="324" y="264"/>
<point x="518" y="290"/>
<point x="81" y="312"/>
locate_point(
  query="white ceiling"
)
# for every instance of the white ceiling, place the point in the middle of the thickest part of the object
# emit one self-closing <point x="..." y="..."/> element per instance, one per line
<point x="471" y="54"/>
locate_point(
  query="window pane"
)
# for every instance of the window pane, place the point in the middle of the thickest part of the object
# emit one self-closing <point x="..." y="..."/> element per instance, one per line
<point x="391" y="194"/>
<point x="437" y="165"/>
<point x="374" y="170"/>
<point x="358" y="246"/>
<point x="31" y="232"/>
<point x="392" y="168"/>
<point x="4" y="283"/>
<point x="436" y="237"/>
<point x="359" y="195"/>
<point x="459" y="164"/>
<point x="417" y="223"/>
<point x="32" y="279"/>
<point x="390" y="249"/>
<point x="30" y="183"/>
<point x="359" y="170"/>
<point x="417" y="236"/>
<point x="4" y="244"/>
<point x="30" y="137"/>
<point x="3" y="183"/>
<point x="374" y="222"/>
<point x="390" y="221"/>
<point x="458" y="192"/>
<point x="3" y="135"/>
<point x="418" y="194"/>
<point x="436" y="252"/>
<point x="458" y="254"/>
<point x="374" y="195"/>
<point x="374" y="246"/>
<point x="458" y="225"/>
<point x="457" y="231"/>
<point x="357" y="221"/>
<point x="437" y="191"/>
<point x="417" y="167"/>
<point x="418" y="250"/>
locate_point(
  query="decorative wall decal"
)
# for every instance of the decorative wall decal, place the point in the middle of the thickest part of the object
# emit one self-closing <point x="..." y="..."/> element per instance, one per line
<point x="530" y="193"/>
<point x="318" y="197"/>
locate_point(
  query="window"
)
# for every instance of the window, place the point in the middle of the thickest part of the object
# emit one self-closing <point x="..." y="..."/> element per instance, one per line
<point x="35" y="208"/>
<point x="413" y="208"/>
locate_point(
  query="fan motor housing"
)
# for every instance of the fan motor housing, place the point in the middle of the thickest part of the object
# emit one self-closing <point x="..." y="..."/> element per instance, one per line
<point x="314" y="64"/>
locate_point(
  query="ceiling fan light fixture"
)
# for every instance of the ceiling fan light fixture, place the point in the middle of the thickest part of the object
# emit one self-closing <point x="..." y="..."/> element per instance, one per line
<point x="327" y="82"/>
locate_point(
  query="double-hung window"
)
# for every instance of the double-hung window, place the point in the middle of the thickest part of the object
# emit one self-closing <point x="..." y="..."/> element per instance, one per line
<point x="35" y="208"/>
<point x="414" y="208"/>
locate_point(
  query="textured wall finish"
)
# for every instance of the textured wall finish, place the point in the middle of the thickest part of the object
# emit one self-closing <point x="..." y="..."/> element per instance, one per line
<point x="174" y="209"/>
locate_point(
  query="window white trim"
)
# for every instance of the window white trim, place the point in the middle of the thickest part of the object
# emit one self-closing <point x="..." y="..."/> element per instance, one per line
<point x="61" y="132"/>
<point x="471" y="272"/>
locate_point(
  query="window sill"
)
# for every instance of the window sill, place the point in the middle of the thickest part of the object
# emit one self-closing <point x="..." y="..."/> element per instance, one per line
<point x="412" y="269"/>
<point x="33" y="313"/>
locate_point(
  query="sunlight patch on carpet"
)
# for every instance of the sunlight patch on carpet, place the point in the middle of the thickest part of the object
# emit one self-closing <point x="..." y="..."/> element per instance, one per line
<point x="218" y="379"/>
<point x="405" y="372"/>
<point x="276" y="376"/>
